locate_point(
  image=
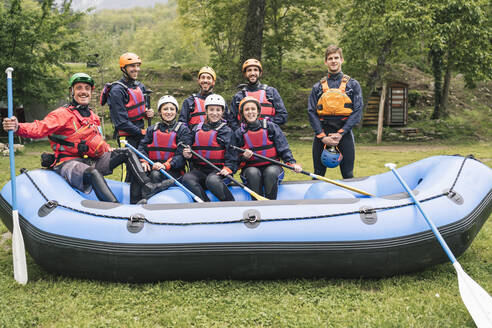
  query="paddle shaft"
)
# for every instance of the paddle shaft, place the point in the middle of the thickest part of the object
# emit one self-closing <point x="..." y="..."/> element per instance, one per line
<point x="179" y="184"/>
<point x="312" y="175"/>
<point x="429" y="222"/>
<point x="251" y="192"/>
<point x="18" y="250"/>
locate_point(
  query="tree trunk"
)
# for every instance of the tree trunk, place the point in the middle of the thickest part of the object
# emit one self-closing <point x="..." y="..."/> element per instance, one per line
<point x="445" y="92"/>
<point x="252" y="41"/>
<point x="436" y="58"/>
<point x="375" y="75"/>
<point x="379" y="136"/>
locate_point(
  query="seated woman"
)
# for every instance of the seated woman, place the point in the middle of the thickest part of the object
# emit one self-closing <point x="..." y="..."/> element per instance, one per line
<point x="164" y="142"/>
<point x="212" y="139"/>
<point x="265" y="138"/>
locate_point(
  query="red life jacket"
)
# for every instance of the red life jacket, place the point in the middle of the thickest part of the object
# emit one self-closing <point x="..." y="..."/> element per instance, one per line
<point x="258" y="142"/>
<point x="163" y="144"/>
<point x="267" y="109"/>
<point x="80" y="130"/>
<point x="198" y="114"/>
<point x="206" y="145"/>
<point x="135" y="106"/>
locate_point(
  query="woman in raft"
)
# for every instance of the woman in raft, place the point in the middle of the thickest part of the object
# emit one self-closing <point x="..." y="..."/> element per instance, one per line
<point x="164" y="142"/>
<point x="265" y="138"/>
<point x="212" y="139"/>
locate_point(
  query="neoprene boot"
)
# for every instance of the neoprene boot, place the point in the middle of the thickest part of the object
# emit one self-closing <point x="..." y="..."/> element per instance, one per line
<point x="99" y="185"/>
<point x="151" y="188"/>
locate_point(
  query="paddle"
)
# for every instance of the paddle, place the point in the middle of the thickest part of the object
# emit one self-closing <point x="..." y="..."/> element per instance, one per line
<point x="315" y="176"/>
<point x="475" y="298"/>
<point x="18" y="251"/>
<point x="251" y="192"/>
<point x="195" y="197"/>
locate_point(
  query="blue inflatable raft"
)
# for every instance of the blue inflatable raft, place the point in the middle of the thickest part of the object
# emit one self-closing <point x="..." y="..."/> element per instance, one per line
<point x="314" y="229"/>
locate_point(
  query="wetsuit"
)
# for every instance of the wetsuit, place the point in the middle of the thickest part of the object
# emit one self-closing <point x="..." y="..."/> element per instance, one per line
<point x="323" y="125"/>
<point x="163" y="143"/>
<point x="213" y="142"/>
<point x="267" y="139"/>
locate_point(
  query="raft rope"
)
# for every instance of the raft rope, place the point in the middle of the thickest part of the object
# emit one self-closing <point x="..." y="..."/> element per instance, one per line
<point x="52" y="203"/>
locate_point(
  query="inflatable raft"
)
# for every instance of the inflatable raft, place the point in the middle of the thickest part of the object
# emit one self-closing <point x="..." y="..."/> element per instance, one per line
<point x="314" y="229"/>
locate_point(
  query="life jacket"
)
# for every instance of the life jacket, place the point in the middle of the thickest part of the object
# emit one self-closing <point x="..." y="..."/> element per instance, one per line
<point x="267" y="109"/>
<point x="206" y="145"/>
<point x="258" y="142"/>
<point x="197" y="116"/>
<point x="135" y="106"/>
<point x="334" y="102"/>
<point x="163" y="144"/>
<point x="81" y="130"/>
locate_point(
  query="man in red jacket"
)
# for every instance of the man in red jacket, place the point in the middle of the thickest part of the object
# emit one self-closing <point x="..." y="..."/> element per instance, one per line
<point x="81" y="155"/>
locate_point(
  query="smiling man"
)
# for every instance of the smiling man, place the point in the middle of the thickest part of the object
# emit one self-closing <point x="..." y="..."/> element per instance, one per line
<point x="127" y="103"/>
<point x="193" y="108"/>
<point x="81" y="155"/>
<point x="272" y="105"/>
<point x="334" y="107"/>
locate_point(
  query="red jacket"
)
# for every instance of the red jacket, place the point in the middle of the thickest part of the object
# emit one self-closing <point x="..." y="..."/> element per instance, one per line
<point x="67" y="124"/>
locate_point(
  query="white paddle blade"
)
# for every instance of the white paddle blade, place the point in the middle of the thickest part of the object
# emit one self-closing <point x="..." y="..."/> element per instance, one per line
<point x="390" y="166"/>
<point x="18" y="251"/>
<point x="476" y="299"/>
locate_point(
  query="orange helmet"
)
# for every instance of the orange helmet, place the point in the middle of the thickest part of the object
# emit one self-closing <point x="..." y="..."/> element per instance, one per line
<point x="246" y="100"/>
<point x="129" y="58"/>
<point x="207" y="69"/>
<point x="252" y="62"/>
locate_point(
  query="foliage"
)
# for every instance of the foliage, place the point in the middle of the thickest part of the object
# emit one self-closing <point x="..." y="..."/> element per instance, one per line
<point x="220" y="23"/>
<point x="293" y="26"/>
<point x="36" y="38"/>
<point x="376" y="33"/>
<point x="155" y="34"/>
<point x="459" y="39"/>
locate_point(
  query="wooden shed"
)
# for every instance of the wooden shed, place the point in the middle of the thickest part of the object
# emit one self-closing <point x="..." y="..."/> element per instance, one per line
<point x="395" y="107"/>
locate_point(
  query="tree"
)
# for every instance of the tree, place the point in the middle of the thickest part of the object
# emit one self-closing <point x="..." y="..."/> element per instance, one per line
<point x="36" y="39"/>
<point x="459" y="41"/>
<point x="292" y="25"/>
<point x="221" y="24"/>
<point x="252" y="41"/>
<point x="376" y="33"/>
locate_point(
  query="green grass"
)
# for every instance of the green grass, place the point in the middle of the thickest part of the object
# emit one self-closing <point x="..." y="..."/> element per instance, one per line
<point x="425" y="299"/>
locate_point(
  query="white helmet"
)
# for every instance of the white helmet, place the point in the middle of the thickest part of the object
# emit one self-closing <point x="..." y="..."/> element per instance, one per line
<point x="215" y="99"/>
<point x="167" y="99"/>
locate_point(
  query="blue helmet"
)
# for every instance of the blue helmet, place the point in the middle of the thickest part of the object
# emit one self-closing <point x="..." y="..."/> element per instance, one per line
<point x="331" y="157"/>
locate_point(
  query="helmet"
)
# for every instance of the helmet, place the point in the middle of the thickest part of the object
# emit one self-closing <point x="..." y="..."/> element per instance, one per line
<point x="246" y="100"/>
<point x="252" y="62"/>
<point x="129" y="58"/>
<point x="215" y="99"/>
<point x="331" y="157"/>
<point x="167" y="99"/>
<point x="209" y="70"/>
<point x="81" y="77"/>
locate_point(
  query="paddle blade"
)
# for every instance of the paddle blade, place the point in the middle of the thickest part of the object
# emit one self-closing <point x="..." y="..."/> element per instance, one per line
<point x="18" y="251"/>
<point x="254" y="194"/>
<point x="476" y="299"/>
<point x="357" y="190"/>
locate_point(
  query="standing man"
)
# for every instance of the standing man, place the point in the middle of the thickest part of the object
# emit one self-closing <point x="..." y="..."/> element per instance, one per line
<point x="334" y="107"/>
<point x="126" y="100"/>
<point x="272" y="105"/>
<point x="193" y="108"/>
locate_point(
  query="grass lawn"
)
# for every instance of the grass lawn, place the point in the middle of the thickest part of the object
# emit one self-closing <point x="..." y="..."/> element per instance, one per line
<point x="426" y="299"/>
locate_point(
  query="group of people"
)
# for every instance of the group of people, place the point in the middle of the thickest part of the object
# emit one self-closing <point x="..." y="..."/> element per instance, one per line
<point x="205" y="142"/>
